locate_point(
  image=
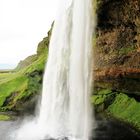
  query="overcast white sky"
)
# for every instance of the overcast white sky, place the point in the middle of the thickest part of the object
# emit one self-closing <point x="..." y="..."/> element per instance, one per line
<point x="23" y="24"/>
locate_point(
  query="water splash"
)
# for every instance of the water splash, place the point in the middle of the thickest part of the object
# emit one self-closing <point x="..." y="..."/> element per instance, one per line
<point x="65" y="109"/>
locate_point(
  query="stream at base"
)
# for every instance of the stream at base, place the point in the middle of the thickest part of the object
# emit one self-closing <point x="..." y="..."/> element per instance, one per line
<point x="106" y="130"/>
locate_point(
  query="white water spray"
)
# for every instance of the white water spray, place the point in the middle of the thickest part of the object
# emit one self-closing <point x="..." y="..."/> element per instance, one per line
<point x="65" y="107"/>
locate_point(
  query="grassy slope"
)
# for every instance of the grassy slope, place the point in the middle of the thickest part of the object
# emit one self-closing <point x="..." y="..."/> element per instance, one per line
<point x="126" y="109"/>
<point x="19" y="85"/>
<point x="118" y="105"/>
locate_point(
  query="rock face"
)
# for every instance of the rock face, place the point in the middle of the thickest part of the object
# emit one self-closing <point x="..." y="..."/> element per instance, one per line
<point x="117" y="60"/>
<point x="121" y="79"/>
<point x="117" y="51"/>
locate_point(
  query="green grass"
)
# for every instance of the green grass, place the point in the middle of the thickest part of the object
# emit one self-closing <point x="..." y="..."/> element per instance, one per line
<point x="14" y="86"/>
<point x="118" y="105"/>
<point x="20" y="84"/>
<point x="38" y="64"/>
<point x="126" y="109"/>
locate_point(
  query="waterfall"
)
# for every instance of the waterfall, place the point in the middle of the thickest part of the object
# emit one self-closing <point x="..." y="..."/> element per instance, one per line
<point x="65" y="109"/>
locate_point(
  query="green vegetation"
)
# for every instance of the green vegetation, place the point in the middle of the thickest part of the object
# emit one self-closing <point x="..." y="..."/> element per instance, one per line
<point x="126" y="109"/>
<point x="26" y="62"/>
<point x="21" y="84"/>
<point x="100" y="96"/>
<point x="124" y="51"/>
<point x="13" y="86"/>
<point x="118" y="105"/>
<point x="4" y="117"/>
<point x="102" y="99"/>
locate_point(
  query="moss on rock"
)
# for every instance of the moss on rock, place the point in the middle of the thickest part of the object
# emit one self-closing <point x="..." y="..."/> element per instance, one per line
<point x="126" y="109"/>
<point x="101" y="99"/>
<point x="118" y="105"/>
<point x="5" y="118"/>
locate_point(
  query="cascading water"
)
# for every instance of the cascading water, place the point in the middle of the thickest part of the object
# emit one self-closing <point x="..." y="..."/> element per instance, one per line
<point x="65" y="107"/>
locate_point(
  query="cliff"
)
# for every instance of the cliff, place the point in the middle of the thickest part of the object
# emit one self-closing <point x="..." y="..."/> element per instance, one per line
<point x="20" y="88"/>
<point x="117" y="51"/>
<point x="117" y="60"/>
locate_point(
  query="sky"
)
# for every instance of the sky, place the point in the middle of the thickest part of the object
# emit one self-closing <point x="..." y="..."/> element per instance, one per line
<point x="23" y="24"/>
